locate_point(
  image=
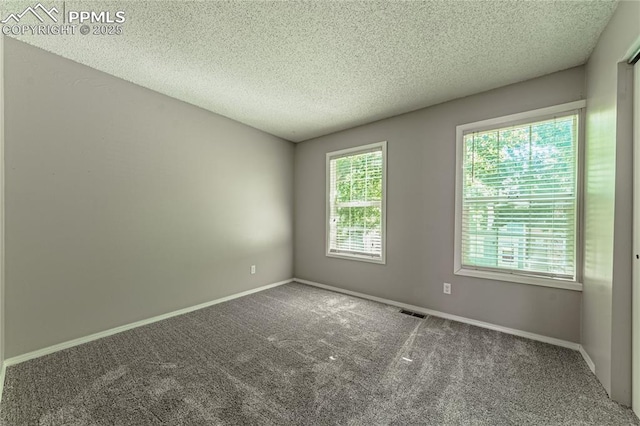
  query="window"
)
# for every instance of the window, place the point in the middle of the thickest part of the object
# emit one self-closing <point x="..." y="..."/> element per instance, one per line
<point x="516" y="202"/>
<point x="356" y="186"/>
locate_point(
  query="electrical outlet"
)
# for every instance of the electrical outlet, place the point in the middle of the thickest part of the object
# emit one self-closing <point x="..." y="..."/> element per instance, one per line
<point x="253" y="269"/>
<point x="446" y="288"/>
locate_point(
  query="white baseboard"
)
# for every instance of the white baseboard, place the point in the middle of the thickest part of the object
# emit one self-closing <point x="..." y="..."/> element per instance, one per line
<point x="71" y="343"/>
<point x="3" y="369"/>
<point x="419" y="309"/>
<point x="587" y="359"/>
<point x="75" y="342"/>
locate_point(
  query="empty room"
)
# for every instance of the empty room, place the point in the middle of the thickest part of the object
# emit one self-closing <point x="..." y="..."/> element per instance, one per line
<point x="320" y="212"/>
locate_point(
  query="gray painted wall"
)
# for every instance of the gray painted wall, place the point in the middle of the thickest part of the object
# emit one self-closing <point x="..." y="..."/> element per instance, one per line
<point x="123" y="204"/>
<point x="608" y="196"/>
<point x="622" y="241"/>
<point x="420" y="214"/>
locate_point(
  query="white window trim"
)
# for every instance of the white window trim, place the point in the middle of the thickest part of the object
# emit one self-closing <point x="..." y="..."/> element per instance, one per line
<point x="517" y="277"/>
<point x="383" y="220"/>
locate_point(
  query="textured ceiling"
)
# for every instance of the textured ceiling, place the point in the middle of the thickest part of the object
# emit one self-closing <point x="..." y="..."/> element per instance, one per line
<point x="304" y="69"/>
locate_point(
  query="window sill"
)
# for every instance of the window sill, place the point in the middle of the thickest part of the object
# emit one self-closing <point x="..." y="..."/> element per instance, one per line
<point x="521" y="279"/>
<point x="380" y="261"/>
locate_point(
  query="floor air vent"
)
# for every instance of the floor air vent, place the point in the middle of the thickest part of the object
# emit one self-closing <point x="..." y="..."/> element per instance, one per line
<point x="412" y="314"/>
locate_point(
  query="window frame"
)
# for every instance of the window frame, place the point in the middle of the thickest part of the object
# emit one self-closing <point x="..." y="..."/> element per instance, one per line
<point x="521" y="277"/>
<point x="382" y="259"/>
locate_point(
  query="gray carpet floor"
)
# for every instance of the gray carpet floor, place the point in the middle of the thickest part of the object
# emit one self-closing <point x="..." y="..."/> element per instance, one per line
<point x="300" y="355"/>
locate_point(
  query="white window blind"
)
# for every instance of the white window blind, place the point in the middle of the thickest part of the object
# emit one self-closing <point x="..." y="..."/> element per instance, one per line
<point x="519" y="204"/>
<point x="356" y="202"/>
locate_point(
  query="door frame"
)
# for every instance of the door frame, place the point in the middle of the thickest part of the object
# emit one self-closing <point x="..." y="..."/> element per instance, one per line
<point x="635" y="323"/>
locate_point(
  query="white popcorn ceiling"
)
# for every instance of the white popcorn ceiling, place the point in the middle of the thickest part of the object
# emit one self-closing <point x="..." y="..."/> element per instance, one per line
<point x="304" y="69"/>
